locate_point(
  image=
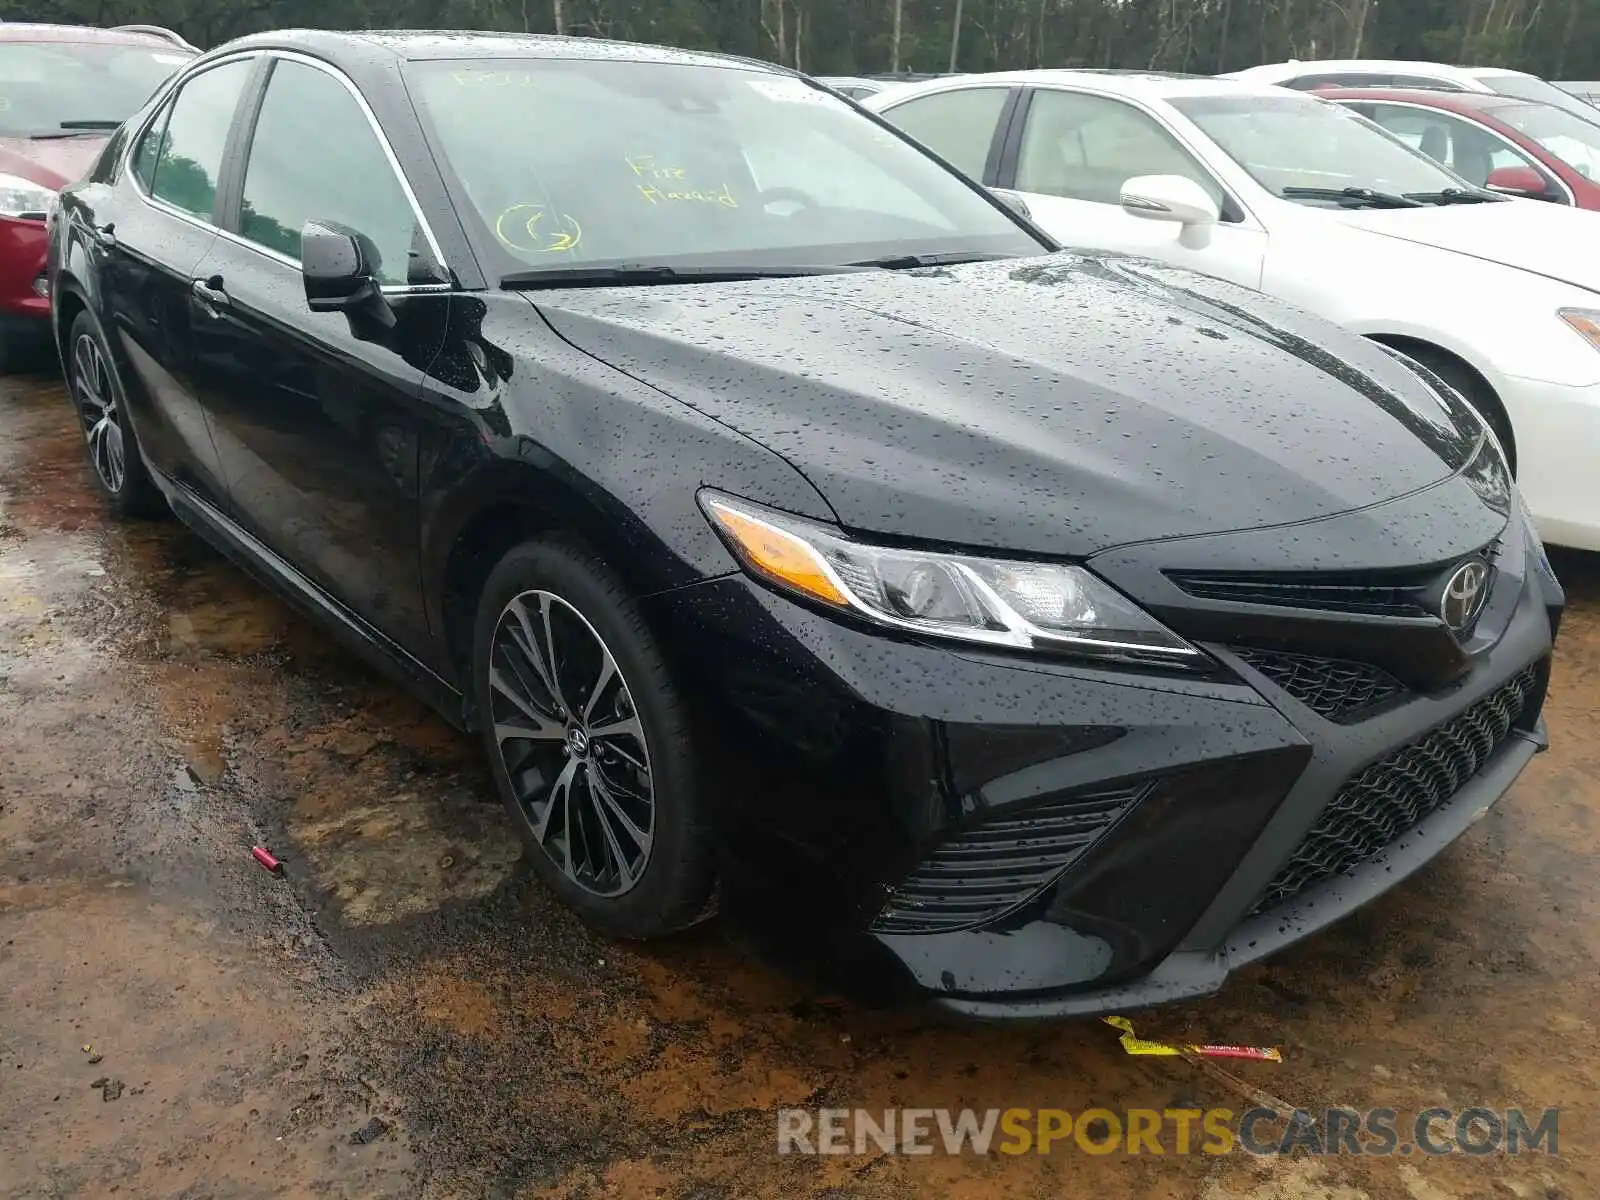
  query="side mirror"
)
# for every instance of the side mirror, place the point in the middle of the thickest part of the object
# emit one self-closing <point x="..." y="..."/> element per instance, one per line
<point x="1169" y="198"/>
<point x="1176" y="199"/>
<point x="1518" y="181"/>
<point x="337" y="266"/>
<point x="1012" y="201"/>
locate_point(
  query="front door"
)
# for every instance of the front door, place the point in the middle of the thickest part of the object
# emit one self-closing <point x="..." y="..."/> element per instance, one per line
<point x="1074" y="152"/>
<point x="317" y="414"/>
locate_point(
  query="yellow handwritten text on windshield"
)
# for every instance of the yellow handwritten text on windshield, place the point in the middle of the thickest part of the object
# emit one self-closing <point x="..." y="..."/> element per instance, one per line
<point x="534" y="228"/>
<point x="662" y="183"/>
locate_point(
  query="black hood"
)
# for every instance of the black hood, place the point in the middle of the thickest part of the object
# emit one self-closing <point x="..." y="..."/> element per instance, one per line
<point x="1055" y="406"/>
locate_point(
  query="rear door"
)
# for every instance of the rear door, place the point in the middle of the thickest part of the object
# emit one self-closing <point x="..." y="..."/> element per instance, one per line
<point x="151" y="246"/>
<point x="317" y="414"/>
<point x="1068" y="155"/>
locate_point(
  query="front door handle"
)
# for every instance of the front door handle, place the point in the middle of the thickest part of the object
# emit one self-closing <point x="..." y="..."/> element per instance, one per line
<point x="210" y="296"/>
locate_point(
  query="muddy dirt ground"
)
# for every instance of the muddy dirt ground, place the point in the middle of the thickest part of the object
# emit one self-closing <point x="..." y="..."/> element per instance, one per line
<point x="405" y="1012"/>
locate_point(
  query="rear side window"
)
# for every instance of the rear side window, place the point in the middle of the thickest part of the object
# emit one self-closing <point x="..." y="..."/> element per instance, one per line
<point x="315" y="156"/>
<point x="957" y="126"/>
<point x="186" y="162"/>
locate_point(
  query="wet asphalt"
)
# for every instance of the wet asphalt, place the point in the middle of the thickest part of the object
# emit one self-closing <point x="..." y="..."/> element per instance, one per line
<point x="403" y="1011"/>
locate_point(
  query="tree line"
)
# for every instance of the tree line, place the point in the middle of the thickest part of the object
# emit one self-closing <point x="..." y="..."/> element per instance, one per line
<point x="1559" y="39"/>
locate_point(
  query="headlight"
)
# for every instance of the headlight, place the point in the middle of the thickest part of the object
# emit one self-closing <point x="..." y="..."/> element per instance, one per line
<point x="20" y="197"/>
<point x="990" y="601"/>
<point x="1586" y="321"/>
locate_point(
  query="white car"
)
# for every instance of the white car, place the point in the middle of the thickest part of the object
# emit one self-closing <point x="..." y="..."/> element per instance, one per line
<point x="1399" y="73"/>
<point x="1292" y="195"/>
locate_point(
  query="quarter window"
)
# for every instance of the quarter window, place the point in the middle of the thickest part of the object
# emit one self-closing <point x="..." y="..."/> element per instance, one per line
<point x="957" y="126"/>
<point x="1086" y="147"/>
<point x="314" y="156"/>
<point x="183" y="168"/>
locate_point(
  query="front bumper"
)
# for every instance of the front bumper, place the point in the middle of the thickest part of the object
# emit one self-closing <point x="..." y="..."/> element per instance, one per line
<point x="1557" y="431"/>
<point x="24" y="297"/>
<point x="1012" y="838"/>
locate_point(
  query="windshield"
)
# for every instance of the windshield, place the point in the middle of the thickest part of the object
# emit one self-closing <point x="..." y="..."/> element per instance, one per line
<point x="46" y="87"/>
<point x="1573" y="141"/>
<point x="1296" y="141"/>
<point x="1531" y="87"/>
<point x="581" y="161"/>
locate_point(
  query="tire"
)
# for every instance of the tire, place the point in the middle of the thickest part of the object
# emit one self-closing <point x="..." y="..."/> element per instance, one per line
<point x="115" y="460"/>
<point x="1477" y="393"/>
<point x="581" y="843"/>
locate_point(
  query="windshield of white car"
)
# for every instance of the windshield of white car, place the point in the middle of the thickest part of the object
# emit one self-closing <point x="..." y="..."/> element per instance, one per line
<point x="1558" y="131"/>
<point x="1314" y="152"/>
<point x="1531" y="87"/>
<point x="574" y="162"/>
<point x="55" y="89"/>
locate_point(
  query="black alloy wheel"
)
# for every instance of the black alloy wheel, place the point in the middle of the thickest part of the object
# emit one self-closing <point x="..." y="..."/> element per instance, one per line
<point x="571" y="744"/>
<point x="113" y="449"/>
<point x="589" y="744"/>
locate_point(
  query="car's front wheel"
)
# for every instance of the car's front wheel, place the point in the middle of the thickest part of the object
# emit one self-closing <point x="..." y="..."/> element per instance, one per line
<point x="589" y="742"/>
<point x="113" y="447"/>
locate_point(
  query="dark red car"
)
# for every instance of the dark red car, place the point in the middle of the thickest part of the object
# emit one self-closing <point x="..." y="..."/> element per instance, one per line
<point x="63" y="90"/>
<point x="1517" y="146"/>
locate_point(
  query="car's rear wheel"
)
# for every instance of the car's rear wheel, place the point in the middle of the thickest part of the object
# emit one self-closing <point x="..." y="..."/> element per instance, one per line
<point x="589" y="742"/>
<point x="113" y="447"/>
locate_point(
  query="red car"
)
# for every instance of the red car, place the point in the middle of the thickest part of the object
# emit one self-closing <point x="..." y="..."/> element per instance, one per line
<point x="64" y="89"/>
<point x="1499" y="142"/>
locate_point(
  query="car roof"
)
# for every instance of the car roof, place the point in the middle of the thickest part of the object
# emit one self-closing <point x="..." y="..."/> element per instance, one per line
<point x="416" y="45"/>
<point x="1316" y="66"/>
<point x="1146" y="85"/>
<point x="29" y="31"/>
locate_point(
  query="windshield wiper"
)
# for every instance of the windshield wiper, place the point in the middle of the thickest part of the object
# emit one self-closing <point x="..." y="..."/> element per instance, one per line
<point x="625" y="275"/>
<point x="1457" y="196"/>
<point x="905" y="262"/>
<point x="1353" y="197"/>
<point x="94" y="123"/>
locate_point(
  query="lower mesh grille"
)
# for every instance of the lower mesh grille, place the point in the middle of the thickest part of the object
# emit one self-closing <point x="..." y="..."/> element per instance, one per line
<point x="984" y="872"/>
<point x="1392" y="796"/>
<point x="1336" y="688"/>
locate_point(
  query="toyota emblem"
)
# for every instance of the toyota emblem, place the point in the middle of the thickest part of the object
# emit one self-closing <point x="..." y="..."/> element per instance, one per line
<point x="1464" y="594"/>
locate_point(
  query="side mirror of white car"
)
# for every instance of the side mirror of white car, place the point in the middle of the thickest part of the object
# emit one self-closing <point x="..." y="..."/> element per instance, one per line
<point x="1172" y="198"/>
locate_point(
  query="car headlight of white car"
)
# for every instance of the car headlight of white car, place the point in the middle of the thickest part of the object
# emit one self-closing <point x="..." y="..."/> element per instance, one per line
<point x="1585" y="321"/>
<point x="22" y="198"/>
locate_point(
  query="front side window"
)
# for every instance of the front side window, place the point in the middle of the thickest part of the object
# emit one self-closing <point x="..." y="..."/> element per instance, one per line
<point x="1300" y="142"/>
<point x="315" y="157"/>
<point x="1468" y="149"/>
<point x="1086" y="147"/>
<point x="51" y="89"/>
<point x="188" y="159"/>
<point x="957" y="126"/>
<point x="570" y="161"/>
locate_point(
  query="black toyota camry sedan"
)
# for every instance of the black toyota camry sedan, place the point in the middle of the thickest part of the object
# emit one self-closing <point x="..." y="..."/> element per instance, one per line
<point x="800" y="529"/>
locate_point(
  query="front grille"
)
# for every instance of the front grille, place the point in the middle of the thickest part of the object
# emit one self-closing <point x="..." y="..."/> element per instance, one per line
<point x="1389" y="593"/>
<point x="1308" y="591"/>
<point x="1336" y="688"/>
<point x="1392" y="796"/>
<point x="984" y="872"/>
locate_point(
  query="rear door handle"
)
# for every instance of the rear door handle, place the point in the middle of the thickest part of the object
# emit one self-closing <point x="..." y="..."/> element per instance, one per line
<point x="209" y="295"/>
